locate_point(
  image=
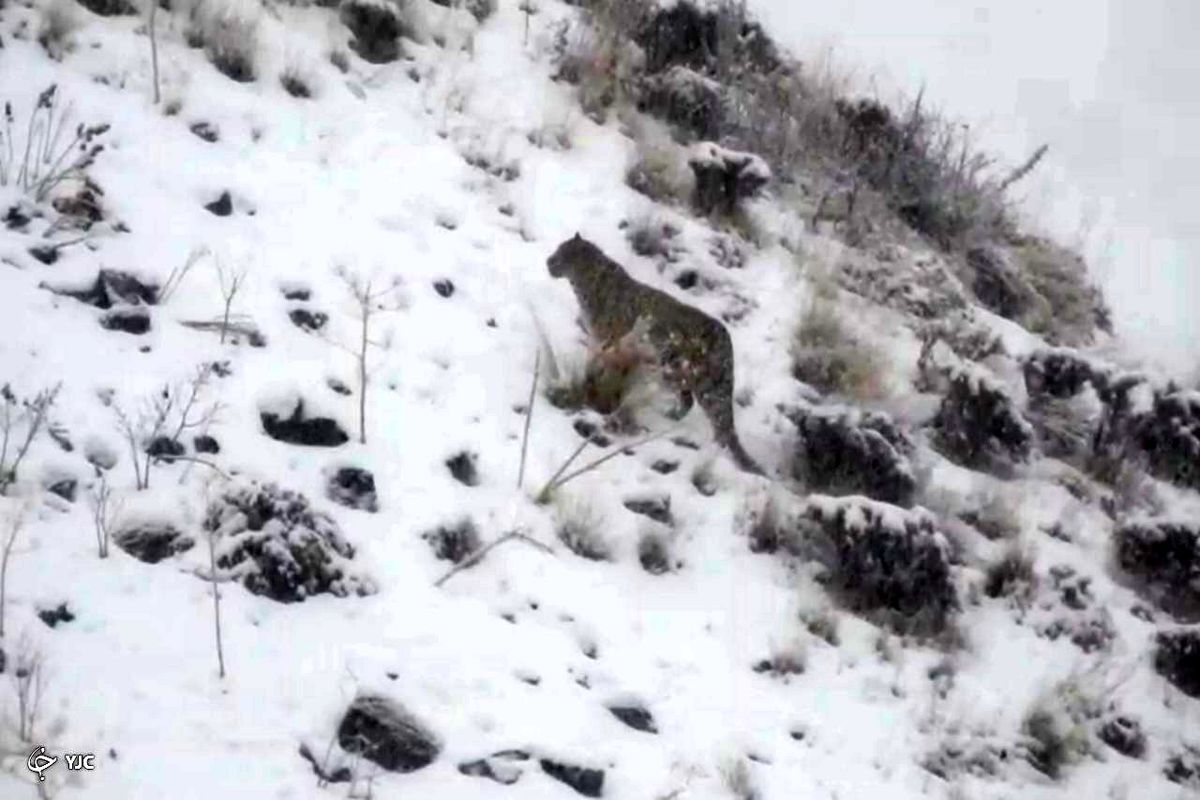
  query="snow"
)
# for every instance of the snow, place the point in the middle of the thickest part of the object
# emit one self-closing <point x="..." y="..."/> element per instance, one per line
<point x="370" y="177"/>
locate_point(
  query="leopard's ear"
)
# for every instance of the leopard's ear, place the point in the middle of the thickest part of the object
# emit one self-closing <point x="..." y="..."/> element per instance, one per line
<point x="577" y="238"/>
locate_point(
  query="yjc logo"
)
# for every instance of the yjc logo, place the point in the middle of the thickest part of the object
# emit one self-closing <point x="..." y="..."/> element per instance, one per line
<point x="38" y="761"/>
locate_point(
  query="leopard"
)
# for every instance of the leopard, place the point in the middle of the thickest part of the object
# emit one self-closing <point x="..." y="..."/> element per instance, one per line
<point x="693" y="351"/>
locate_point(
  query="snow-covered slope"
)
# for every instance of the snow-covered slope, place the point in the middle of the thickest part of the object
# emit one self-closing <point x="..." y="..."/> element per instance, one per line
<point x="442" y="180"/>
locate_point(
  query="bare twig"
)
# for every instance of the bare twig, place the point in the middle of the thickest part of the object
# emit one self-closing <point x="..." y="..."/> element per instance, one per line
<point x="537" y="365"/>
<point x="216" y="595"/>
<point x="154" y="47"/>
<point x="29" y="684"/>
<point x="177" y="274"/>
<point x="34" y="415"/>
<point x="481" y="553"/>
<point x="14" y="523"/>
<point x="559" y="480"/>
<point x="368" y="302"/>
<point x="105" y="512"/>
<point x="230" y="281"/>
<point x="1020" y="172"/>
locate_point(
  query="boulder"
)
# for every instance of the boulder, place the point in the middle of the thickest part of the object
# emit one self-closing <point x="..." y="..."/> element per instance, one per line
<point x="222" y="206"/>
<point x="301" y="429"/>
<point x="463" y="467"/>
<point x="113" y="287"/>
<point x="306" y="320"/>
<point x="584" y="780"/>
<point x="152" y="542"/>
<point x="635" y="716"/>
<point x="385" y="733"/>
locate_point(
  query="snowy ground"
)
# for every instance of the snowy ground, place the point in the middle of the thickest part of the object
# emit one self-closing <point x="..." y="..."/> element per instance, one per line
<point x="527" y="649"/>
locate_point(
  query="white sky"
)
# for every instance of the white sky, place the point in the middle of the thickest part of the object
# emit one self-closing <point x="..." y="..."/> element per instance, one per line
<point x="1114" y="87"/>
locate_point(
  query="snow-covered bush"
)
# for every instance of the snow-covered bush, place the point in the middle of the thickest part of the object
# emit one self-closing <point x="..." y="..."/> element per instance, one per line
<point x="1164" y="554"/>
<point x="229" y="36"/>
<point x="686" y="99"/>
<point x="979" y="424"/>
<point x="1177" y="658"/>
<point x="884" y="561"/>
<point x="377" y="26"/>
<point x="725" y="178"/>
<point x="278" y="546"/>
<point x="843" y="451"/>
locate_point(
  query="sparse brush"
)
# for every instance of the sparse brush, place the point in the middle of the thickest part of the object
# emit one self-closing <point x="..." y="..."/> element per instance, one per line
<point x="46" y="156"/>
<point x="579" y="527"/>
<point x="231" y="40"/>
<point x="659" y="170"/>
<point x="20" y="423"/>
<point x="735" y="775"/>
<point x="823" y="624"/>
<point x="59" y="22"/>
<point x="649" y="236"/>
<point x="13" y="524"/>
<point x="1011" y="575"/>
<point x="827" y="356"/>
<point x="296" y="82"/>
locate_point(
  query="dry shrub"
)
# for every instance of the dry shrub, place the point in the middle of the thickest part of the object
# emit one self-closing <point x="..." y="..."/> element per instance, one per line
<point x="579" y="527"/>
<point x="659" y="169"/>
<point x="831" y="358"/>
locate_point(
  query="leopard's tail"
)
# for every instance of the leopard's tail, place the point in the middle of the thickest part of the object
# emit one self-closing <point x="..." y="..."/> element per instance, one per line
<point x="741" y="457"/>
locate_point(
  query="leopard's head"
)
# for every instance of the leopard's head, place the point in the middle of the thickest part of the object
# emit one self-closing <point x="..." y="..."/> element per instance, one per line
<point x="568" y="255"/>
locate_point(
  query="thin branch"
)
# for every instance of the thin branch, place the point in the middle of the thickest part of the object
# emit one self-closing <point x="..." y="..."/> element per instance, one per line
<point x="537" y="365"/>
<point x="557" y="482"/>
<point x="481" y="553"/>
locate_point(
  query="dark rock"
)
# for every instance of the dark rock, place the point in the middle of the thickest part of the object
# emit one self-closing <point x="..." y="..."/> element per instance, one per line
<point x="687" y="279"/>
<point x="687" y="99"/>
<point x="587" y="782"/>
<point x="66" y="488"/>
<point x="656" y="508"/>
<point x="462" y="466"/>
<point x="206" y="444"/>
<point x="47" y="254"/>
<point x="152" y="542"/>
<point x="850" y="452"/>
<point x="499" y="767"/>
<point x="164" y="448"/>
<point x="635" y="717"/>
<point x="978" y="423"/>
<point x="664" y="467"/>
<point x="725" y="177"/>
<point x="444" y="287"/>
<point x="653" y="555"/>
<point x="376" y="27"/>
<point x="385" y="733"/>
<point x="1164" y="554"/>
<point x="222" y="206"/>
<point x="205" y="131"/>
<point x="1177" y="658"/>
<point x="884" y="560"/>
<point x="297" y="293"/>
<point x="308" y="320"/>
<point x="590" y="431"/>
<point x="298" y="429"/>
<point x="3" y="661"/>
<point x="109" y="8"/>
<point x="454" y="542"/>
<point x="279" y="547"/>
<point x="53" y="616"/>
<point x="354" y="488"/>
<point x="1123" y="734"/>
<point x="112" y="287"/>
<point x="83" y="206"/>
<point x="135" y="321"/>
<point x="339" y="387"/>
<point x="1183" y="767"/>
<point x="17" y="217"/>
